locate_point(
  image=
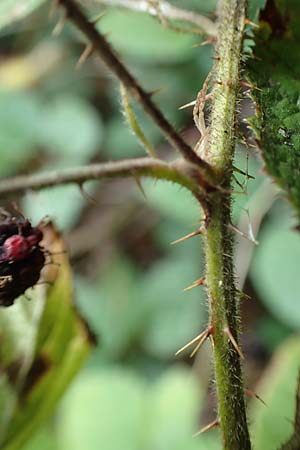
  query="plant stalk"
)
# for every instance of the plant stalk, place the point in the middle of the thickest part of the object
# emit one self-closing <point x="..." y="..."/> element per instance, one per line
<point x="179" y="172"/>
<point x="223" y="302"/>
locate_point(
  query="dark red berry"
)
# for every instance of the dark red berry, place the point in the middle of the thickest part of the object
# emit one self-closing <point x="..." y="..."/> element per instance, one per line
<point x="16" y="247"/>
<point x="21" y="258"/>
<point x="35" y="238"/>
<point x="17" y="277"/>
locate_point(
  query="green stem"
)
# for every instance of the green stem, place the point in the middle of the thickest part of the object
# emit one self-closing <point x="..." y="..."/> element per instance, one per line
<point x="180" y="172"/>
<point x="224" y="314"/>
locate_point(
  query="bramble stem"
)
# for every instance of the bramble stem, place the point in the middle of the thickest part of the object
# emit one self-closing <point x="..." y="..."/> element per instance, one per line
<point x="109" y="56"/>
<point x="224" y="314"/>
<point x="177" y="172"/>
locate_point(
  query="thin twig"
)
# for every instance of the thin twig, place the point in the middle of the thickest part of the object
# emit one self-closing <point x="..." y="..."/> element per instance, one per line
<point x="148" y="167"/>
<point x="113" y="62"/>
<point x="170" y="12"/>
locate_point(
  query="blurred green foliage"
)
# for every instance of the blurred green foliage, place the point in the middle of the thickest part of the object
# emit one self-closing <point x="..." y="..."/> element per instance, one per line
<point x="134" y="393"/>
<point x="273" y="422"/>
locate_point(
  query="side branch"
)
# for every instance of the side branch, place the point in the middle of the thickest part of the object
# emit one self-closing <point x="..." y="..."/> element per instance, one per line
<point x="170" y="12"/>
<point x="148" y="167"/>
<point x="112" y="61"/>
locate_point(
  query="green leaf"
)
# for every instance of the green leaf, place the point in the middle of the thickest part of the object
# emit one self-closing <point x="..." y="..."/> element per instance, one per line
<point x="127" y="412"/>
<point x="116" y="132"/>
<point x="63" y="203"/>
<point x="19" y="123"/>
<point x="273" y="424"/>
<point x="116" y="311"/>
<point x="149" y="308"/>
<point x="174" y="317"/>
<point x="173" y="202"/>
<point x="44" y="343"/>
<point x="70" y="129"/>
<point x="159" y="44"/>
<point x="13" y="10"/>
<point x="173" y="406"/>
<point x="275" y="72"/>
<point x="275" y="274"/>
<point x="43" y="439"/>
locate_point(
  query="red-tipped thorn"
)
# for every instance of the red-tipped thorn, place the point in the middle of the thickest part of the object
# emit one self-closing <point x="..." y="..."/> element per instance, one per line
<point x="199" y="282"/>
<point x="211" y="40"/>
<point x="234" y="343"/>
<point x="248" y="22"/>
<point x="244" y="235"/>
<point x="206" y="334"/>
<point x="193" y="341"/>
<point x="215" y="423"/>
<point x="188" y="236"/>
<point x="249" y="85"/>
<point x="253" y="394"/>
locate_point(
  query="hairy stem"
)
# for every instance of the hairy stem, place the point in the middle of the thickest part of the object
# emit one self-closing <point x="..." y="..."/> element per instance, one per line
<point x="113" y="62"/>
<point x="224" y="314"/>
<point x="179" y="172"/>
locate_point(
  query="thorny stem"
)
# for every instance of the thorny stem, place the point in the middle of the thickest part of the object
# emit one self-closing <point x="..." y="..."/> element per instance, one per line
<point x="224" y="314"/>
<point x="179" y="172"/>
<point x="169" y="11"/>
<point x="112" y="61"/>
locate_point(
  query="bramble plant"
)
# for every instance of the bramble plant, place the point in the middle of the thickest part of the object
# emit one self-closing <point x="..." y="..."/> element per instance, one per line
<point x="248" y="60"/>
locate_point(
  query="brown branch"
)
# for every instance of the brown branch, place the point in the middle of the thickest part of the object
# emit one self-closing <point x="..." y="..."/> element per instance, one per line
<point x="170" y="12"/>
<point x="112" y="61"/>
<point x="177" y="172"/>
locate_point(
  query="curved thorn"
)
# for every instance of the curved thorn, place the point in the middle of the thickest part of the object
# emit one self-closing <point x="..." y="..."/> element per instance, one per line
<point x="187" y="105"/>
<point x="211" y="40"/>
<point x="84" y="55"/>
<point x="86" y="195"/>
<point x="199" y="282"/>
<point x="234" y="343"/>
<point x="215" y="423"/>
<point x="241" y="233"/>
<point x="248" y="22"/>
<point x="252" y="394"/>
<point x="188" y="236"/>
<point x="139" y="185"/>
<point x="193" y="341"/>
<point x="201" y="341"/>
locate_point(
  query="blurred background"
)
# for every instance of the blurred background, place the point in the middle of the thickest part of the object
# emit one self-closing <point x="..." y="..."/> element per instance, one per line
<point x="133" y="393"/>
